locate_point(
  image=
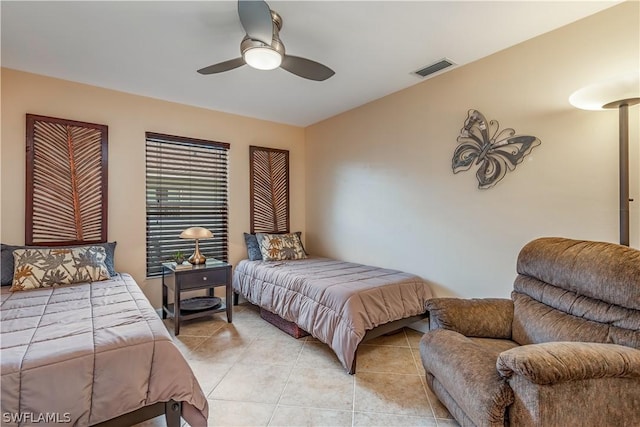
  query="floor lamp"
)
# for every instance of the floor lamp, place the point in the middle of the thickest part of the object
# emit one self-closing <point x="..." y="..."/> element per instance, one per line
<point x="621" y="92"/>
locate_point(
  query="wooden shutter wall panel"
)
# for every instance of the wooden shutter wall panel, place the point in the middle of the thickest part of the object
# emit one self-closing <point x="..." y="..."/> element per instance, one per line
<point x="186" y="185"/>
<point x="269" y="190"/>
<point x="66" y="183"/>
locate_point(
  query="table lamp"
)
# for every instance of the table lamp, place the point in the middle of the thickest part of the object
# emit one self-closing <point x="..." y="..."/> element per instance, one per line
<point x="621" y="92"/>
<point x="196" y="233"/>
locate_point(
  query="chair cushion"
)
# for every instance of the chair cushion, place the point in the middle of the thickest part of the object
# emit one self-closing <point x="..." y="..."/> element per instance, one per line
<point x="598" y="270"/>
<point x="545" y="313"/>
<point x="466" y="368"/>
<point x="575" y="290"/>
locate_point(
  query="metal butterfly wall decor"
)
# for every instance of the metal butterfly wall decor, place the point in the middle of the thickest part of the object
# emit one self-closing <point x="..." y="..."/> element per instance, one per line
<point x="496" y="151"/>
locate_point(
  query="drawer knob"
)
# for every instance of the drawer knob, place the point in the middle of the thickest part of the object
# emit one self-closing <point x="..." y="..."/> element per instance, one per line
<point x="204" y="278"/>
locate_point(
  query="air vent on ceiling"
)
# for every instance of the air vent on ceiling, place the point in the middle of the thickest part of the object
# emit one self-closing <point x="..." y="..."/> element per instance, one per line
<point x="434" y="68"/>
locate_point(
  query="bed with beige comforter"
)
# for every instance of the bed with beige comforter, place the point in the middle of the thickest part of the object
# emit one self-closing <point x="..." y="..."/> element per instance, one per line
<point x="88" y="353"/>
<point x="335" y="301"/>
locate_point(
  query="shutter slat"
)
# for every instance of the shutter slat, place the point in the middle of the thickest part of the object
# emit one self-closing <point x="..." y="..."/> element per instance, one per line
<point x="186" y="186"/>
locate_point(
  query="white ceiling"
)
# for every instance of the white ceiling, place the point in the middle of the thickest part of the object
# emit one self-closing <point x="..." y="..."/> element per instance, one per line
<point x="153" y="48"/>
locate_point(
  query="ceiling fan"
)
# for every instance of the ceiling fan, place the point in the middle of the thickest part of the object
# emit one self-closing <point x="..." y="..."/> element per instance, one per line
<point x="262" y="48"/>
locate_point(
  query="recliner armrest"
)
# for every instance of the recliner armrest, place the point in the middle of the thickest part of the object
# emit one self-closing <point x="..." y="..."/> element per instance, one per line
<point x="555" y="362"/>
<point x="486" y="318"/>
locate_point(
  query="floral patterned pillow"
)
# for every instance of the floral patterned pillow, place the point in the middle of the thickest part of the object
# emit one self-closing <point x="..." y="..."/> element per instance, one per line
<point x="276" y="247"/>
<point x="44" y="267"/>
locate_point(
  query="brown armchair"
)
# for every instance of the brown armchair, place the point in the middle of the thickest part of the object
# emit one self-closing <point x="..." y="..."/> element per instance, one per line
<point x="564" y="350"/>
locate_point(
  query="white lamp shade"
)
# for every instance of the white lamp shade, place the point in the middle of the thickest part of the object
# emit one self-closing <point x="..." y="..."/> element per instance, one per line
<point x="263" y="58"/>
<point x="597" y="96"/>
<point x="196" y="233"/>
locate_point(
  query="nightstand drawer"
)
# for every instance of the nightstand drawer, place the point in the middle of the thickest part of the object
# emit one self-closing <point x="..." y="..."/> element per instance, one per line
<point x="199" y="279"/>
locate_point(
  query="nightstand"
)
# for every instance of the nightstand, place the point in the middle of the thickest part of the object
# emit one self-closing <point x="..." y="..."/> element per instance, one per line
<point x="182" y="278"/>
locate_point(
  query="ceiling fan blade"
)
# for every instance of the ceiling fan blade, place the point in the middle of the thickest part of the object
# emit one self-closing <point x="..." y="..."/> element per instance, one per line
<point x="222" y="66"/>
<point x="255" y="17"/>
<point x="306" y="68"/>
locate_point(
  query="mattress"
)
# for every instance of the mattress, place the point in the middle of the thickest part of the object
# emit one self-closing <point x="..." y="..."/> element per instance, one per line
<point x="87" y="353"/>
<point x="335" y="301"/>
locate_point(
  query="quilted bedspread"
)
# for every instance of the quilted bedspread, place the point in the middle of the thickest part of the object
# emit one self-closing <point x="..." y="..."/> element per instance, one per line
<point x="86" y="353"/>
<point x="337" y="302"/>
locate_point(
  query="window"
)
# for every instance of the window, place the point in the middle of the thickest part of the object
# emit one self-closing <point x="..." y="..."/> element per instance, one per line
<point x="187" y="186"/>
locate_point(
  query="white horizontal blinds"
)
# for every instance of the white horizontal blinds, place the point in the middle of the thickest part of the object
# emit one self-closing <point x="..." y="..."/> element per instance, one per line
<point x="187" y="186"/>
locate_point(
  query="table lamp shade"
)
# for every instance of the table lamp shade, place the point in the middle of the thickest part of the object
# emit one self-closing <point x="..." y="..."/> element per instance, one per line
<point x="196" y="233"/>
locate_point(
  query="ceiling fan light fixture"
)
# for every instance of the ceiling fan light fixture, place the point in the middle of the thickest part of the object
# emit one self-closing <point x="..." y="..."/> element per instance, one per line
<point x="262" y="49"/>
<point x="262" y="58"/>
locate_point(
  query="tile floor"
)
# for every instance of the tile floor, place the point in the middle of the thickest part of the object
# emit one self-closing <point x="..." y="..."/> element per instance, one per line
<point x="256" y="375"/>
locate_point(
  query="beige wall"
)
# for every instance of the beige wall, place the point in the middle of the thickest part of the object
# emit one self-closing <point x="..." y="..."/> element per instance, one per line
<point x="380" y="189"/>
<point x="128" y="117"/>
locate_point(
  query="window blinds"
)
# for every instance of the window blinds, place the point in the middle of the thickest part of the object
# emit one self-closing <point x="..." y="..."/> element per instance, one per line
<point x="186" y="186"/>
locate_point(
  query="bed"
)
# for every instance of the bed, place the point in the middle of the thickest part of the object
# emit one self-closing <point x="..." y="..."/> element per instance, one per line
<point x="92" y="354"/>
<point x="94" y="351"/>
<point x="341" y="304"/>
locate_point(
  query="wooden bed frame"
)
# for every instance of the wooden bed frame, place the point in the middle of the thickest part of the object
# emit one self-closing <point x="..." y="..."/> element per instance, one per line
<point x="171" y="410"/>
<point x="384" y="329"/>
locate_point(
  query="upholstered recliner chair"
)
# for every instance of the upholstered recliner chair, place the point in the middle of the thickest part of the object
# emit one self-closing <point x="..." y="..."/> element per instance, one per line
<point x="563" y="351"/>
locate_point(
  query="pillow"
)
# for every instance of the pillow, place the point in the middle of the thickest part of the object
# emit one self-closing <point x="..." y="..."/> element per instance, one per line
<point x="253" y="249"/>
<point x="110" y="251"/>
<point x="45" y="267"/>
<point x="299" y="234"/>
<point x="276" y="247"/>
<point x="6" y="259"/>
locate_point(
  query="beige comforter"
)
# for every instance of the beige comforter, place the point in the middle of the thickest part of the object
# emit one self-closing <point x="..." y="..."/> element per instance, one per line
<point x="337" y="302"/>
<point x="88" y="353"/>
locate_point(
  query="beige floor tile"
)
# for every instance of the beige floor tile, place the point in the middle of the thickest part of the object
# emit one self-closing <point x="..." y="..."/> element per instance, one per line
<point x="248" y="330"/>
<point x="249" y="365"/>
<point x="447" y="422"/>
<point x="153" y="422"/>
<point x="187" y="344"/>
<point x="392" y="394"/>
<point x="414" y="337"/>
<point x="200" y="327"/>
<point x="272" y="351"/>
<point x="398" y="339"/>
<point x="369" y="419"/>
<point x="227" y="413"/>
<point x="318" y="355"/>
<point x="188" y="341"/>
<point x="319" y="388"/>
<point x="222" y="347"/>
<point x="245" y="330"/>
<point x="295" y="416"/>
<point x="209" y="373"/>
<point x="253" y="383"/>
<point x="247" y="306"/>
<point x="418" y="361"/>
<point x="159" y="421"/>
<point x="243" y="316"/>
<point x="395" y="360"/>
